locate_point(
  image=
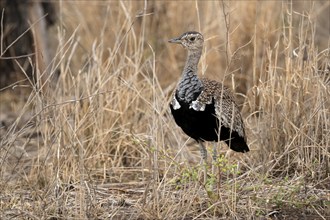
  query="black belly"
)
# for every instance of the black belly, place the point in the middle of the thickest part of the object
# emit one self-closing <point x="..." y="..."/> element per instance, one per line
<point x="200" y="125"/>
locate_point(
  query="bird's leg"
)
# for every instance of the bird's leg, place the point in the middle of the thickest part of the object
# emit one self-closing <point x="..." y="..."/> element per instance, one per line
<point x="214" y="157"/>
<point x="204" y="159"/>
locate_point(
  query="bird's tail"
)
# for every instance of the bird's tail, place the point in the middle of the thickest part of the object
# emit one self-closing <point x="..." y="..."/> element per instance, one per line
<point x="237" y="143"/>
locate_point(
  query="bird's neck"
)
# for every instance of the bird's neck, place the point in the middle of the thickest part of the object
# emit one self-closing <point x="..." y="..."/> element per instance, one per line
<point x="192" y="61"/>
<point x="190" y="85"/>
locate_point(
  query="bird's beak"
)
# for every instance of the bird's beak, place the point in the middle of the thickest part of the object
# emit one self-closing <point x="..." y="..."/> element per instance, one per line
<point x="175" y="40"/>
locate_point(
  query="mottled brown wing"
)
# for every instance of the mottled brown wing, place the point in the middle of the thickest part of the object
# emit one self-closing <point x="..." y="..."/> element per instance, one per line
<point x="225" y="107"/>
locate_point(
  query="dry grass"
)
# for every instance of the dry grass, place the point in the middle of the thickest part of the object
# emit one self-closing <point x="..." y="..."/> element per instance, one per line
<point x="102" y="144"/>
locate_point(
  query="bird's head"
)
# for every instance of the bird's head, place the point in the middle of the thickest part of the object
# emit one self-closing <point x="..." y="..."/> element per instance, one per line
<point x="191" y="40"/>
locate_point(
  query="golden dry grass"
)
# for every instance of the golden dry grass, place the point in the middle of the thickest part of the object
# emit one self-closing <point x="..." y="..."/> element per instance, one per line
<point x="101" y="143"/>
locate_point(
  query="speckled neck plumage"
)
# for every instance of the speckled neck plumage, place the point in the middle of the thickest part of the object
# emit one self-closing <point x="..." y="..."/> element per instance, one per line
<point x="190" y="85"/>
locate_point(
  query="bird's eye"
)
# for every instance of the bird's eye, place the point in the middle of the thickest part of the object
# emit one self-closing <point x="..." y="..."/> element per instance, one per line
<point x="192" y="39"/>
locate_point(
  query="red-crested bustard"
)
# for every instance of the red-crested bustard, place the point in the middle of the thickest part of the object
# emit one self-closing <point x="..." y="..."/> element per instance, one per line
<point x="205" y="109"/>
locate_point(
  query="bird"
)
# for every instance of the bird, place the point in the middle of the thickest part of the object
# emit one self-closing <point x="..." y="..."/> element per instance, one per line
<point x="205" y="109"/>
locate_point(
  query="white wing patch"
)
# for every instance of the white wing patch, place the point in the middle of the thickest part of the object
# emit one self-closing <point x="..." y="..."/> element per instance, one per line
<point x="197" y="106"/>
<point x="176" y="105"/>
<point x="200" y="103"/>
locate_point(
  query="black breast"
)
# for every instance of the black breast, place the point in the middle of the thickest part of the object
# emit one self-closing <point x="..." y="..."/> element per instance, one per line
<point x="199" y="125"/>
